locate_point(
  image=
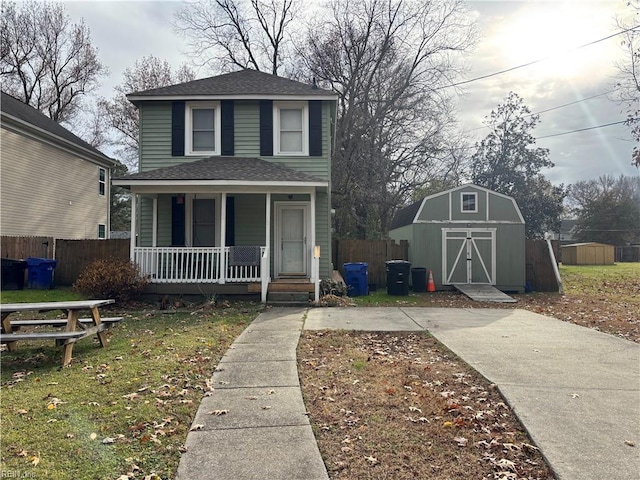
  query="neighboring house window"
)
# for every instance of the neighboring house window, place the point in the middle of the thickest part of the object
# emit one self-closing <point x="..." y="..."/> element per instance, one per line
<point x="470" y="202"/>
<point x="202" y="132"/>
<point x="291" y="128"/>
<point x="102" y="181"/>
<point x="102" y="231"/>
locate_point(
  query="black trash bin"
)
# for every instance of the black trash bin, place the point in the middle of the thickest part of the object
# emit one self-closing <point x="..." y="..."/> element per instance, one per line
<point x="398" y="277"/>
<point x="13" y="274"/>
<point x="419" y="279"/>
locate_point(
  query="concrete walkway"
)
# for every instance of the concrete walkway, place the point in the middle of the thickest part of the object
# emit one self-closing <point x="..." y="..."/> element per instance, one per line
<point x="576" y="390"/>
<point x="265" y="433"/>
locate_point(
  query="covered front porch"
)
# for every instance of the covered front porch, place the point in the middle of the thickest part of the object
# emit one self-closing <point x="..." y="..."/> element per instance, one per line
<point x="224" y="221"/>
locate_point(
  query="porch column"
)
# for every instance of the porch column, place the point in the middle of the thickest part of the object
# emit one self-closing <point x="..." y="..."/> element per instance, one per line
<point x="315" y="259"/>
<point x="223" y="236"/>
<point x="154" y="227"/>
<point x="134" y="208"/>
<point x="265" y="263"/>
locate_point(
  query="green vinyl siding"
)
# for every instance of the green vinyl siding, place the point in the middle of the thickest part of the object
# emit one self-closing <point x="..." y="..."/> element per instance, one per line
<point x="436" y="208"/>
<point x="249" y="221"/>
<point x="481" y="205"/>
<point x="323" y="229"/>
<point x="501" y="208"/>
<point x="247" y="128"/>
<point x="155" y="139"/>
<point x="164" y="220"/>
<point x="146" y="222"/>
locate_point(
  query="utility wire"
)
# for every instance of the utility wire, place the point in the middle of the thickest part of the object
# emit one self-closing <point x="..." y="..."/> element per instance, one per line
<point x="582" y="129"/>
<point x="464" y="82"/>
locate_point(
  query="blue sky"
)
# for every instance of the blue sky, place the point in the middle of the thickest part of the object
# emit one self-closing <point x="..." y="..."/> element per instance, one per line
<point x="512" y="33"/>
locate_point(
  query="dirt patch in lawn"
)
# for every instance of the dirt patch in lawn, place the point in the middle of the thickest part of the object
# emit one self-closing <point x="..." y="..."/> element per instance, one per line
<point x="400" y="406"/>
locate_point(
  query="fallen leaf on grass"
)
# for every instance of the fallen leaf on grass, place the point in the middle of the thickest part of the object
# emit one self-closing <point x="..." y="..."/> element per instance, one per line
<point x="371" y="459"/>
<point x="218" y="412"/>
<point x="22" y="411"/>
<point x="461" y="441"/>
<point x="93" y="436"/>
<point x="414" y="409"/>
<point x="108" y="440"/>
<point x="35" y="460"/>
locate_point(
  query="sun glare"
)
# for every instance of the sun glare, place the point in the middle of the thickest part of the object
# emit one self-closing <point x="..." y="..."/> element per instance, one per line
<point x="554" y="34"/>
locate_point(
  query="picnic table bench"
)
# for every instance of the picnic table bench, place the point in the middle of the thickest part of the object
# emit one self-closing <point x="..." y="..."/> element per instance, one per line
<point x="75" y="328"/>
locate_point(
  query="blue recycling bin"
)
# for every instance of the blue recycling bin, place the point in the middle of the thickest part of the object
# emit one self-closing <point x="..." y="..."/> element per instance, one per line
<point x="357" y="278"/>
<point x="40" y="274"/>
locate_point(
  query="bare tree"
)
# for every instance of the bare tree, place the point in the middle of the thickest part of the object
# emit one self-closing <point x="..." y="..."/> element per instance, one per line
<point x="628" y="86"/>
<point x="388" y="61"/>
<point x="227" y="34"/>
<point x="45" y="60"/>
<point x="122" y="116"/>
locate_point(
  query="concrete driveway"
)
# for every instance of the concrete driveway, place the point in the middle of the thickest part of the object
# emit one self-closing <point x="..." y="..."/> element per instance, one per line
<point x="576" y="390"/>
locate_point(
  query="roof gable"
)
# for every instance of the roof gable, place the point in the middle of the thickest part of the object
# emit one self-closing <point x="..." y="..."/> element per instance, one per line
<point x="240" y="83"/>
<point x="11" y="106"/>
<point x="406" y="215"/>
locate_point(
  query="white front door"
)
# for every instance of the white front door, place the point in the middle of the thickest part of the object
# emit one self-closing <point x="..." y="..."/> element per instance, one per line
<point x="291" y="239"/>
<point x="469" y="255"/>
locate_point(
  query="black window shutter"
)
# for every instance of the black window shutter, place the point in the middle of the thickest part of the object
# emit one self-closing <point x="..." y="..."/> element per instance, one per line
<point x="227" y="127"/>
<point x="266" y="128"/>
<point x="177" y="222"/>
<point x="315" y="128"/>
<point x="177" y="129"/>
<point x="230" y="228"/>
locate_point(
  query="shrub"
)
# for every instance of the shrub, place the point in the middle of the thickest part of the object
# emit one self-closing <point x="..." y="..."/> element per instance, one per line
<point x="111" y="278"/>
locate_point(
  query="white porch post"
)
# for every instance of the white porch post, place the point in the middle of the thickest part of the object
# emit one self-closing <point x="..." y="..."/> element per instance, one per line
<point x="223" y="236"/>
<point x="265" y="273"/>
<point x="134" y="208"/>
<point x="315" y="260"/>
<point x="154" y="227"/>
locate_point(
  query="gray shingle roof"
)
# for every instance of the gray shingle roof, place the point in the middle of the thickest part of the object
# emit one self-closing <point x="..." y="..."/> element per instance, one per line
<point x="16" y="108"/>
<point x="405" y="215"/>
<point x="246" y="169"/>
<point x="243" y="82"/>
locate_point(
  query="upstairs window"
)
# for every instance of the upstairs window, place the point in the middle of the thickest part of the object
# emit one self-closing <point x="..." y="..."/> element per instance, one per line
<point x="202" y="132"/>
<point x="469" y="202"/>
<point x="102" y="181"/>
<point x="291" y="128"/>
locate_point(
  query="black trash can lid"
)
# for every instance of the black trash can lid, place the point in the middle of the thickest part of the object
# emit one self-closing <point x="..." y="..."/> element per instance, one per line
<point x="397" y="262"/>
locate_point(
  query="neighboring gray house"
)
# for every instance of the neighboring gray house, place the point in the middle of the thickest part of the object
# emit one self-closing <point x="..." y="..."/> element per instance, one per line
<point x="52" y="183"/>
<point x="467" y="234"/>
<point x="234" y="189"/>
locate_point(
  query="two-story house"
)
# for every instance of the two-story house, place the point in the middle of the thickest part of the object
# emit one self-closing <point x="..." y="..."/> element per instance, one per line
<point x="234" y="189"/>
<point x="52" y="183"/>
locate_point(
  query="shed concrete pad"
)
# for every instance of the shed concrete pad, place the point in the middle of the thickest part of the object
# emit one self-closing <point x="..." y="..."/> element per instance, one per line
<point x="484" y="293"/>
<point x="251" y="408"/>
<point x="258" y="352"/>
<point x="364" y="318"/>
<point x="240" y="454"/>
<point x="256" y="374"/>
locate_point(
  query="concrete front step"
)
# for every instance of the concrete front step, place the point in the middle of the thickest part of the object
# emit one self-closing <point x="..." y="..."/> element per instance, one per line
<point x="288" y="298"/>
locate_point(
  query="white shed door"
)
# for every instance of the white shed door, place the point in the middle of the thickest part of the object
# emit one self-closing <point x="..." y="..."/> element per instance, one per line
<point x="469" y="255"/>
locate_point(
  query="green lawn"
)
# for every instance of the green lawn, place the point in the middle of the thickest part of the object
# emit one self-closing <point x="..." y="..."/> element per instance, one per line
<point x="33" y="296"/>
<point x="123" y="409"/>
<point x="592" y="279"/>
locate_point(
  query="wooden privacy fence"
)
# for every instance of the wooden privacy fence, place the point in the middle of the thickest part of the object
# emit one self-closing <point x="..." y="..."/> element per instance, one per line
<point x="24" y="247"/>
<point x="540" y="274"/>
<point x="373" y="252"/>
<point x="74" y="255"/>
<point x="628" y="254"/>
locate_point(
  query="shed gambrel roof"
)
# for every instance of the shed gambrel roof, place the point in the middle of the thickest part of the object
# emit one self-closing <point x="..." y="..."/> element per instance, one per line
<point x="224" y="169"/>
<point x="235" y="84"/>
<point x="21" y="113"/>
<point x="409" y="214"/>
<point x="406" y="215"/>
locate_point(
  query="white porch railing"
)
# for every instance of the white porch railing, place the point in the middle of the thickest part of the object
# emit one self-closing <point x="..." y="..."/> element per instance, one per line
<point x="200" y="264"/>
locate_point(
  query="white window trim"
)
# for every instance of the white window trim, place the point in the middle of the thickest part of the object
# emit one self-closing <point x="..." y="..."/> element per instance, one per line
<point x="475" y="202"/>
<point x="304" y="106"/>
<point x="188" y="126"/>
<point x="102" y="182"/>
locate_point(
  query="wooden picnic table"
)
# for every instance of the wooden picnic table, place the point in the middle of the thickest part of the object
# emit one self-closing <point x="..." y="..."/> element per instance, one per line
<point x="75" y="327"/>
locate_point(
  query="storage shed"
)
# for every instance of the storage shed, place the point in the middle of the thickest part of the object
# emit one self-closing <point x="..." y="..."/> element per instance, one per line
<point x="588" y="254"/>
<point x="465" y="235"/>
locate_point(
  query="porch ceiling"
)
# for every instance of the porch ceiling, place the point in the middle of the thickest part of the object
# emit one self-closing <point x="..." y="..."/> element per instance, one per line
<point x="222" y="171"/>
